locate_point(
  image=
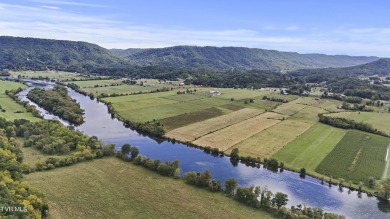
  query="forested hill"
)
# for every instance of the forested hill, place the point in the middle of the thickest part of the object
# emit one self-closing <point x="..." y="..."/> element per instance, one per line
<point x="378" y="67"/>
<point x="238" y="58"/>
<point x="41" y="54"/>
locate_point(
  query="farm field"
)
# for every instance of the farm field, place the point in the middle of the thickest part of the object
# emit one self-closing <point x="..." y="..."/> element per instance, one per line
<point x="174" y="122"/>
<point x="227" y="137"/>
<point x="10" y="106"/>
<point x="59" y="76"/>
<point x="121" y="89"/>
<point x="379" y="121"/>
<point x="308" y="114"/>
<point x="356" y="157"/>
<point x="268" y="142"/>
<point x="168" y="110"/>
<point x="329" y="105"/>
<point x="310" y="148"/>
<point x="196" y="130"/>
<point x="289" y="108"/>
<point x="117" y="189"/>
<point x="92" y="83"/>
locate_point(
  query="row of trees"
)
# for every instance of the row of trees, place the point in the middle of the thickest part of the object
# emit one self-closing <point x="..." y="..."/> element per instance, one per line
<point x="17" y="199"/>
<point x="275" y="99"/>
<point x="58" y="102"/>
<point x="252" y="196"/>
<point x="349" y="124"/>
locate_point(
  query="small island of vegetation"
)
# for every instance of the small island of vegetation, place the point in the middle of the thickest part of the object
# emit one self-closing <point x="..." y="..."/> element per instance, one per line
<point x="58" y="102"/>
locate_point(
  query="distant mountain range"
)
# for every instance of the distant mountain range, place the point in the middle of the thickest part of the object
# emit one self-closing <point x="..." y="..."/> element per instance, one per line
<point x="41" y="54"/>
<point x="238" y="58"/>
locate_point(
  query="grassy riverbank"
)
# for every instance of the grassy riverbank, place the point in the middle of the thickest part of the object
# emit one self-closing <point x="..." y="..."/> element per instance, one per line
<point x="112" y="188"/>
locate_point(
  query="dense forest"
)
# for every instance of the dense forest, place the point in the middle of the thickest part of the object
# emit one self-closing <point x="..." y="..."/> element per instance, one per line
<point x="58" y="102"/>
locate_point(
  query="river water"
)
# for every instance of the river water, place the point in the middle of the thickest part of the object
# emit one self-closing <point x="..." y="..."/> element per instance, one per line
<point x="309" y="191"/>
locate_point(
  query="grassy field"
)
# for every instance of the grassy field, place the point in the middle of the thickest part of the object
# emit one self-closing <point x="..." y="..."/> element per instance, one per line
<point x="146" y="107"/>
<point x="229" y="136"/>
<point x="111" y="188"/>
<point x="289" y="108"/>
<point x="56" y="75"/>
<point x="329" y="105"/>
<point x="268" y="142"/>
<point x="121" y="89"/>
<point x="309" y="149"/>
<point x="10" y="106"/>
<point x="356" y="157"/>
<point x="196" y="130"/>
<point x="174" y="122"/>
<point x="308" y="114"/>
<point x="379" y="121"/>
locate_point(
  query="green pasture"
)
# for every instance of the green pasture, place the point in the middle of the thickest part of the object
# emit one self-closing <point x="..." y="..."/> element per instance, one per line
<point x="112" y="188"/>
<point x="12" y="109"/>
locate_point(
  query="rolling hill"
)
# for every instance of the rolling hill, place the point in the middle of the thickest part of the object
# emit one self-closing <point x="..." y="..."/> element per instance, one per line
<point x="238" y="58"/>
<point x="41" y="54"/>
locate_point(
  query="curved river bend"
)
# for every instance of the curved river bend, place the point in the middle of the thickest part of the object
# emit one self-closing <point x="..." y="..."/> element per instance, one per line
<point x="310" y="191"/>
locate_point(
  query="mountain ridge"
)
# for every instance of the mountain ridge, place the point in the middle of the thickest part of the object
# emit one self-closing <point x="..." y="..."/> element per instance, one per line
<point x="239" y="58"/>
<point x="18" y="53"/>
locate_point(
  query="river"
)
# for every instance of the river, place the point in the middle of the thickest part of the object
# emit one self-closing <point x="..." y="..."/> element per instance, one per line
<point x="309" y="191"/>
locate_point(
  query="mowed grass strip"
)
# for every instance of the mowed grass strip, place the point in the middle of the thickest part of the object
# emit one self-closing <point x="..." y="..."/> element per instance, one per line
<point x="196" y="130"/>
<point x="268" y="142"/>
<point x="356" y="157"/>
<point x="174" y="122"/>
<point x="111" y="188"/>
<point x="229" y="136"/>
<point x="309" y="149"/>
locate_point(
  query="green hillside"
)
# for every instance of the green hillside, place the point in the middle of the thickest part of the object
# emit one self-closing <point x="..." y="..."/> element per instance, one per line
<point x="239" y="58"/>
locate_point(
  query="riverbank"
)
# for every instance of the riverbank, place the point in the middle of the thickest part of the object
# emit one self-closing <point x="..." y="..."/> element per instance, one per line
<point x="123" y="190"/>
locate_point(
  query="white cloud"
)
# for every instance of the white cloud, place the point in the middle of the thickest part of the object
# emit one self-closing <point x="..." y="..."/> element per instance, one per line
<point x="50" y="7"/>
<point x="68" y="3"/>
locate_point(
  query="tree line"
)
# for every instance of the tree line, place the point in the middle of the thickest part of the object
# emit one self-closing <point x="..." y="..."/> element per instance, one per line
<point x="252" y="196"/>
<point x="349" y="124"/>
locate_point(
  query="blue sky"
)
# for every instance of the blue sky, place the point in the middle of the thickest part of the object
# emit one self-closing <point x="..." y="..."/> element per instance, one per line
<point x="352" y="27"/>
